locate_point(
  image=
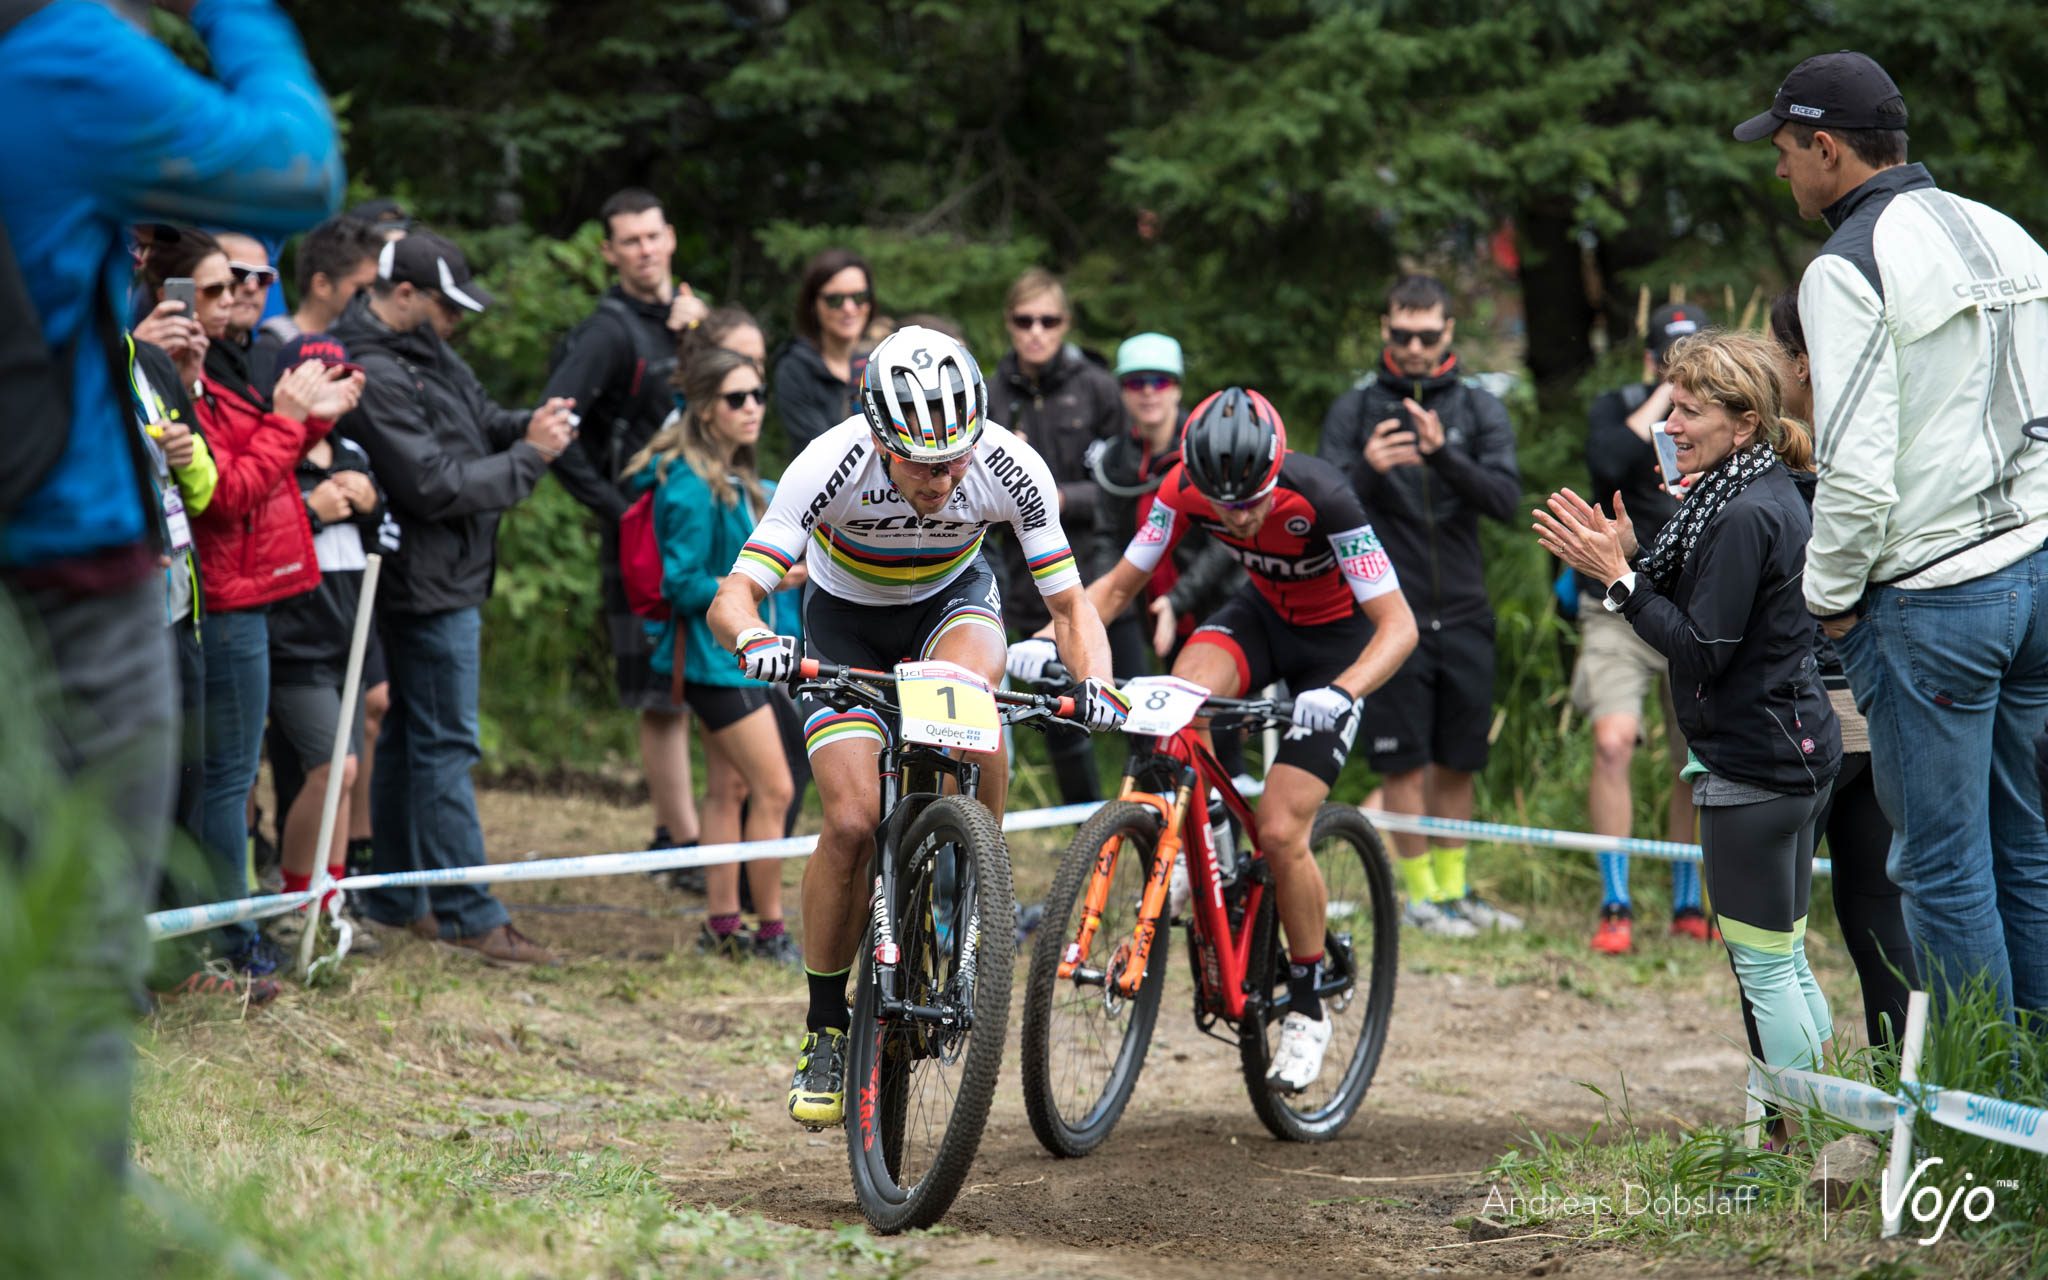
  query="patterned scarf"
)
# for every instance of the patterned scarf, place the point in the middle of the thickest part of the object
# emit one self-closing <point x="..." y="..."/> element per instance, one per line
<point x="1715" y="490"/>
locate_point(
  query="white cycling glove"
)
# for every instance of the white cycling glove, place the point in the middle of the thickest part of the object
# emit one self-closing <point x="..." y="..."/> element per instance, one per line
<point x="1029" y="659"/>
<point x="1100" y="705"/>
<point x="763" y="655"/>
<point x="1320" y="710"/>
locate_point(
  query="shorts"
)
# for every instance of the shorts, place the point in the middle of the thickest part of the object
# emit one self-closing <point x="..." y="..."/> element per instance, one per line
<point x="375" y="672"/>
<point x="305" y="716"/>
<point x="1267" y="648"/>
<point x="720" y="706"/>
<point x="1616" y="670"/>
<point x="878" y="637"/>
<point x="1438" y="708"/>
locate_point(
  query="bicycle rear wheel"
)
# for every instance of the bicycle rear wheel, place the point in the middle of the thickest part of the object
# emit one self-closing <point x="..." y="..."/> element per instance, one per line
<point x="1083" y="1043"/>
<point x="1361" y="956"/>
<point x="921" y="1085"/>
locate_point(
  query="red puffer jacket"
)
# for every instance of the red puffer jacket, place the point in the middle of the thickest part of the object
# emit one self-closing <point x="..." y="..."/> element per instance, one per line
<point x="255" y="546"/>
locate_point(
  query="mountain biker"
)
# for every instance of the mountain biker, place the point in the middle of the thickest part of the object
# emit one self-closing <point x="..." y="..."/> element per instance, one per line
<point x="1323" y="611"/>
<point x="893" y="505"/>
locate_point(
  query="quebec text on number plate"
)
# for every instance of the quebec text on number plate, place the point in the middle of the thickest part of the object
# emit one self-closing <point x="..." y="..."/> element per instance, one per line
<point x="947" y="706"/>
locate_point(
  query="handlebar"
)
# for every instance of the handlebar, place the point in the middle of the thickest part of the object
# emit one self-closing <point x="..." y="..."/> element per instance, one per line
<point x="1268" y="709"/>
<point x="1029" y="705"/>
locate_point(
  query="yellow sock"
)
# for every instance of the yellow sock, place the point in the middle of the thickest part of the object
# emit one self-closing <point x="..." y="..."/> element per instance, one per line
<point x="1450" y="872"/>
<point x="1419" y="878"/>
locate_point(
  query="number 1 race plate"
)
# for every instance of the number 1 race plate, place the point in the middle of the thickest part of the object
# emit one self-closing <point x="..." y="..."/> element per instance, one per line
<point x="1161" y="705"/>
<point x="947" y="706"/>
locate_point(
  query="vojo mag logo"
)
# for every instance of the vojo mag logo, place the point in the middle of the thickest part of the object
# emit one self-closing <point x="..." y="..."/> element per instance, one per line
<point x="1362" y="556"/>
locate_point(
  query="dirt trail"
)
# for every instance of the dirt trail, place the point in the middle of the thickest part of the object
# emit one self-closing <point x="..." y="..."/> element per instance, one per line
<point x="1190" y="1175"/>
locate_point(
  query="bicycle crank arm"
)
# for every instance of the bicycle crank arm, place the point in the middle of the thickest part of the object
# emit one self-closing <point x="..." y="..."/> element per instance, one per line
<point x="944" y="1015"/>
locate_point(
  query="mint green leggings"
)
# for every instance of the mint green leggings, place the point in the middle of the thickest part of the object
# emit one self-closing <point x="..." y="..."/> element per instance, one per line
<point x="1758" y="866"/>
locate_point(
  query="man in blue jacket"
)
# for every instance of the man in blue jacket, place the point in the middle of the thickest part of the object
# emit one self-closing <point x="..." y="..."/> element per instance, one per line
<point x="108" y="129"/>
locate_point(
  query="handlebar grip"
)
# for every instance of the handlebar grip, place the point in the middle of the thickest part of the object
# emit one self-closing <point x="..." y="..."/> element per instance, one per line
<point x="1065" y="710"/>
<point x="807" y="668"/>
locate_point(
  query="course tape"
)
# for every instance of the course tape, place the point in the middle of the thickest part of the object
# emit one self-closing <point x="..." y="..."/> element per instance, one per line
<point x="2013" y="1123"/>
<point x="183" y="920"/>
<point x="1854" y="1103"/>
<point x="1544" y="838"/>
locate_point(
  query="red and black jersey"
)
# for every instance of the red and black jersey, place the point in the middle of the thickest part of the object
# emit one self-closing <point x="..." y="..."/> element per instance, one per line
<point x="1315" y="559"/>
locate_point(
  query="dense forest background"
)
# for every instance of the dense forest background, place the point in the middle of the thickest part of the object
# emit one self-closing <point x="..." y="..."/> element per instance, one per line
<point x="1245" y="174"/>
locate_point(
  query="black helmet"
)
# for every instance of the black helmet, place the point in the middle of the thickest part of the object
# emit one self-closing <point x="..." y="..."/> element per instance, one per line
<point x="1234" y="444"/>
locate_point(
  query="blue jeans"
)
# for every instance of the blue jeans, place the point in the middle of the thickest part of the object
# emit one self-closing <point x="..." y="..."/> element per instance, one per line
<point x="1954" y="682"/>
<point x="236" y="647"/>
<point x="422" y="806"/>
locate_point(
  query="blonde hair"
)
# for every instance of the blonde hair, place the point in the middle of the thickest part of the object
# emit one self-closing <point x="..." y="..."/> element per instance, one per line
<point x="1034" y="281"/>
<point x="687" y="434"/>
<point x="1739" y="372"/>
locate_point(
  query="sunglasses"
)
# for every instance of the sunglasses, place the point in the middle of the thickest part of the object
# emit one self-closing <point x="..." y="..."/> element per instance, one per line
<point x="1403" y="337"/>
<point x="212" y="291"/>
<point x="839" y="301"/>
<point x="1246" y="505"/>
<point x="262" y="277"/>
<point x="1150" y="381"/>
<point x="738" y="399"/>
<point x="933" y="470"/>
<point x="1023" y="323"/>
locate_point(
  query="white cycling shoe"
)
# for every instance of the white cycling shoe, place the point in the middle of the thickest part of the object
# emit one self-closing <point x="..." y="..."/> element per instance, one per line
<point x="1299" y="1059"/>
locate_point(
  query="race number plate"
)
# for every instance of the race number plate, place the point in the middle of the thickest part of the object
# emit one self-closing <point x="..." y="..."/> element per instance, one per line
<point x="1161" y="705"/>
<point x="947" y="706"/>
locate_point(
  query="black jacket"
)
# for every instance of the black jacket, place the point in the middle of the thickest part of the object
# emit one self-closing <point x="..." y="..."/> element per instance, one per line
<point x="617" y="366"/>
<point x="810" y="398"/>
<point x="1740" y="644"/>
<point x="1071" y="404"/>
<point x="310" y="634"/>
<point x="1125" y="472"/>
<point x="1428" y="516"/>
<point x="451" y="461"/>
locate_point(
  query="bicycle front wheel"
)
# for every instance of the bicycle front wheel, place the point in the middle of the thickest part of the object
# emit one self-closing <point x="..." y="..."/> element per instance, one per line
<point x="1361" y="956"/>
<point x="1084" y="1040"/>
<point x="921" y="1077"/>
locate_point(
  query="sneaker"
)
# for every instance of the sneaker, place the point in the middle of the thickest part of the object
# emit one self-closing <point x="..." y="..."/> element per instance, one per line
<point x="258" y="958"/>
<point x="781" y="949"/>
<point x="287" y="929"/>
<point x="216" y="981"/>
<point x="1483" y="914"/>
<point x="1029" y="917"/>
<point x="505" y="945"/>
<point x="1432" y="918"/>
<point x="1616" y="934"/>
<point x="733" y="946"/>
<point x="817" y="1092"/>
<point x="1178" y="889"/>
<point x="1692" y="923"/>
<point x="1299" y="1059"/>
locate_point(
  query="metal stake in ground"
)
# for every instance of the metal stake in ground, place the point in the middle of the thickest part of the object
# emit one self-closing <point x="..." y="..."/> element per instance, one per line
<point x="330" y="804"/>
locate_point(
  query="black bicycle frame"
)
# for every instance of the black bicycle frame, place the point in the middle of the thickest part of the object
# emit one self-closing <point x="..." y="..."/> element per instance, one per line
<point x="900" y="809"/>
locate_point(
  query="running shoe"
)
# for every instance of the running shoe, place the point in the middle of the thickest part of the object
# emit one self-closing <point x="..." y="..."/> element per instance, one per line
<point x="781" y="949"/>
<point x="817" y="1092"/>
<point x="1692" y="923"/>
<point x="732" y="946"/>
<point x="1616" y="934"/>
<point x="1433" y="918"/>
<point x="216" y="981"/>
<point x="259" y="957"/>
<point x="1299" y="1059"/>
<point x="1483" y="914"/>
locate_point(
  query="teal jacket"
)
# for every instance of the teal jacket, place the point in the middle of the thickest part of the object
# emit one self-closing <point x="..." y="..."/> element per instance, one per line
<point x="699" y="540"/>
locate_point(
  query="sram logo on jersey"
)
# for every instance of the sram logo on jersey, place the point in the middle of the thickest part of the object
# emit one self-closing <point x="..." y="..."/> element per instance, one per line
<point x="1361" y="554"/>
<point x="1158" y="525"/>
<point x="832" y="486"/>
<point x="1016" y="477"/>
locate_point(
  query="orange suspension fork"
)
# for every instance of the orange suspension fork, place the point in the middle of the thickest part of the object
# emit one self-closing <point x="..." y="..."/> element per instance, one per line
<point x="1153" y="907"/>
<point x="1099" y="886"/>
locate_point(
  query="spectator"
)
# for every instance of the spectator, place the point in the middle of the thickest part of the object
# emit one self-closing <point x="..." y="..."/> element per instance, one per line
<point x="1928" y="316"/>
<point x="618" y="365"/>
<point x="255" y="549"/>
<point x="391" y="221"/>
<point x="331" y="264"/>
<point x="452" y="462"/>
<point x="731" y="328"/>
<point x="1059" y="401"/>
<point x="1859" y="836"/>
<point x="78" y="530"/>
<point x="249" y="262"/>
<point x="708" y="494"/>
<point x="1715" y="594"/>
<point x="819" y="372"/>
<point x="310" y="638"/>
<point x="1429" y="454"/>
<point x="1616" y="667"/>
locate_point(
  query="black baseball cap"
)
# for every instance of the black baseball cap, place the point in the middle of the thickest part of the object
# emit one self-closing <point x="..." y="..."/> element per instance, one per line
<point x="1672" y="321"/>
<point x="1841" y="90"/>
<point x="427" y="261"/>
<point x="385" y="213"/>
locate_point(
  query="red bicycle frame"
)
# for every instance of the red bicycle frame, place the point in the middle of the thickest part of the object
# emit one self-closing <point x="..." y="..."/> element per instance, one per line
<point x="1225" y="954"/>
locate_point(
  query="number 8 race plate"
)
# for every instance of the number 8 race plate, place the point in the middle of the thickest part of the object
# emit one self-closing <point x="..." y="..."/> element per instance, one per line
<point x="947" y="706"/>
<point x="1161" y="705"/>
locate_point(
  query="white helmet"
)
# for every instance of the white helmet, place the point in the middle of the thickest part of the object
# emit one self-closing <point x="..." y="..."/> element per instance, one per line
<point x="923" y="395"/>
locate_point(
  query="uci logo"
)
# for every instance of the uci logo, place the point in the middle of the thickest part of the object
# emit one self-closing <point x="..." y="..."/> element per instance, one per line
<point x="921" y="358"/>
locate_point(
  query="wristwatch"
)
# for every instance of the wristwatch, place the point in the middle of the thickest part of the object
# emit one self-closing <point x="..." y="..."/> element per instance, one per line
<point x="1619" y="591"/>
